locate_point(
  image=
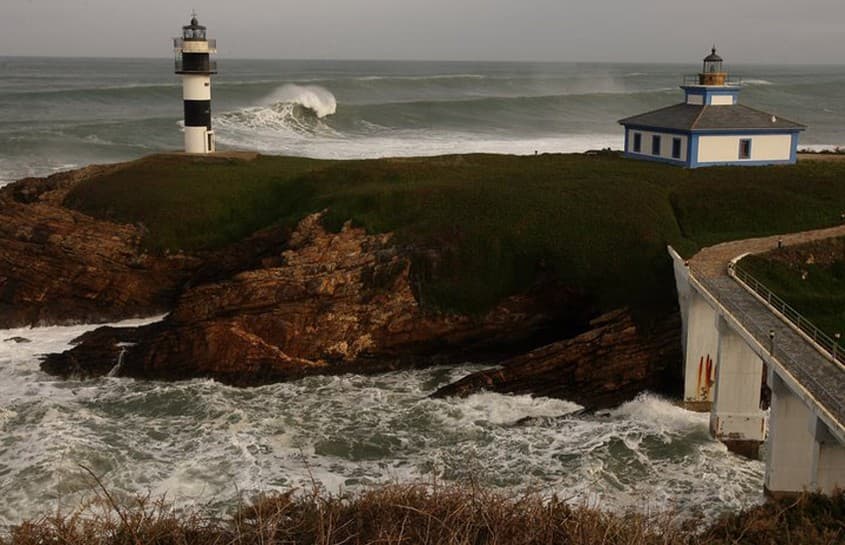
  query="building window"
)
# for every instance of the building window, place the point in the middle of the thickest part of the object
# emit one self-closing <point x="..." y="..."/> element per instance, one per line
<point x="655" y="145"/>
<point x="745" y="148"/>
<point x="638" y="142"/>
<point x="676" y="148"/>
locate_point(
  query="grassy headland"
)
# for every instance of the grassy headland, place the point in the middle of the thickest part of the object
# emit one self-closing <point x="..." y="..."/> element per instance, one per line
<point x="597" y="222"/>
<point x="811" y="279"/>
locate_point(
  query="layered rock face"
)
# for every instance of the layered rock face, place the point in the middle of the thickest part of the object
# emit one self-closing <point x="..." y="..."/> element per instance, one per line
<point x="60" y="266"/>
<point x="608" y="364"/>
<point x="326" y="302"/>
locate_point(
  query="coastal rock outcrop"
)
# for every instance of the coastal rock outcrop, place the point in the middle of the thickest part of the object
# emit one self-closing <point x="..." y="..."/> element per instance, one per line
<point x="326" y="302"/>
<point x="60" y="266"/>
<point x="285" y="303"/>
<point x="608" y="364"/>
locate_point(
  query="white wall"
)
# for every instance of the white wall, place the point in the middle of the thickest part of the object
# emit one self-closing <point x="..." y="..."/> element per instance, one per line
<point x="722" y="100"/>
<point x="196" y="140"/>
<point x="764" y="147"/>
<point x="196" y="87"/>
<point x="191" y="46"/>
<point x="665" y="144"/>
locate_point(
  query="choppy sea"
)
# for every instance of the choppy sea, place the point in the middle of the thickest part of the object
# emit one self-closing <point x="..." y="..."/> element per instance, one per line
<point x="61" y="113"/>
<point x="203" y="443"/>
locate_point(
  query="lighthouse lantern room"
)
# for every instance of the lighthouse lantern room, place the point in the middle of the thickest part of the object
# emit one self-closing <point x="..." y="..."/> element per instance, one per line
<point x="193" y="62"/>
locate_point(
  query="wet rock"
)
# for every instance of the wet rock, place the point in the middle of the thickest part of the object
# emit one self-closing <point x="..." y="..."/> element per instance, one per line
<point x="103" y="348"/>
<point x="607" y="365"/>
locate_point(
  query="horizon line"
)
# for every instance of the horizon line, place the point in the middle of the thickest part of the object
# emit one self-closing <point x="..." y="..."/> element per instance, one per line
<point x="420" y="60"/>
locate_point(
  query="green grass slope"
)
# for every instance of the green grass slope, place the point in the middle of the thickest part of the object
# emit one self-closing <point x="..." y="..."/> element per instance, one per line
<point x="598" y="222"/>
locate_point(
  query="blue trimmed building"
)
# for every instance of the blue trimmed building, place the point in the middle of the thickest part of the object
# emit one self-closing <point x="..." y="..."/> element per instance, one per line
<point x="711" y="128"/>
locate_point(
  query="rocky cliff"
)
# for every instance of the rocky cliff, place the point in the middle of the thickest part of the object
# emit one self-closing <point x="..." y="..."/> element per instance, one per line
<point x="326" y="302"/>
<point x="60" y="266"/>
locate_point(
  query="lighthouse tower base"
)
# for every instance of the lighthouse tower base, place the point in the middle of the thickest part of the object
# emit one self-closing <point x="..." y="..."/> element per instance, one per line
<point x="199" y="140"/>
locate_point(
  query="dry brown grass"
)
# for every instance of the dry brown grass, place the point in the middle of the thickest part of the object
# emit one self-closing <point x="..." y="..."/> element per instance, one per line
<point x="431" y="515"/>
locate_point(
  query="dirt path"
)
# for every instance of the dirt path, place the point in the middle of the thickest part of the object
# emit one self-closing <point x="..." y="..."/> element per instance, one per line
<point x="713" y="261"/>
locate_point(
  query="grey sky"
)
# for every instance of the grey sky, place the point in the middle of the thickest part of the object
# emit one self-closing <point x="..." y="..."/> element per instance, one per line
<point x="769" y="31"/>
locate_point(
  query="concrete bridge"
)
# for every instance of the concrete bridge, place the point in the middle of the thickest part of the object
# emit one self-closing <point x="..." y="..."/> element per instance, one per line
<point x="734" y="341"/>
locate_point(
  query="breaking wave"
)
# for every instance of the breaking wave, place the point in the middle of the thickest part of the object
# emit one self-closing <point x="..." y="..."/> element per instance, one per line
<point x="312" y="97"/>
<point x="283" y="119"/>
<point x="290" y="111"/>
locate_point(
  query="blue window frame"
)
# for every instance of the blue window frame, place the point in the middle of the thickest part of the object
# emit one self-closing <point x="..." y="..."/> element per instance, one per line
<point x="655" y="145"/>
<point x="676" y="148"/>
<point x="638" y="142"/>
<point x="745" y="148"/>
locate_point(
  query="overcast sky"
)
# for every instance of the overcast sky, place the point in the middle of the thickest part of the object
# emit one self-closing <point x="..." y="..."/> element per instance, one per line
<point x="766" y="31"/>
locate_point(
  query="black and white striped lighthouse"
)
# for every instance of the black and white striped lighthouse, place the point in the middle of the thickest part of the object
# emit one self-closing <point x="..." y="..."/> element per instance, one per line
<point x="194" y="64"/>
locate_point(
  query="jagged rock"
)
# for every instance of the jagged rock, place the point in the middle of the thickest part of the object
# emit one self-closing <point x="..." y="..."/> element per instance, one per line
<point x="103" y="348"/>
<point x="608" y="364"/>
<point x="329" y="302"/>
<point x="61" y="266"/>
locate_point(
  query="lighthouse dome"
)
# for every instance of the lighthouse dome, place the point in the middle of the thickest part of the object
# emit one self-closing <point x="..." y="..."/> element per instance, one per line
<point x="194" y="31"/>
<point x="713" y="57"/>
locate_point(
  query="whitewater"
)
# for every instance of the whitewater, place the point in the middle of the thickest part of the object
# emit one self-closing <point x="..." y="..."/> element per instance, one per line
<point x="57" y="114"/>
<point x="205" y="444"/>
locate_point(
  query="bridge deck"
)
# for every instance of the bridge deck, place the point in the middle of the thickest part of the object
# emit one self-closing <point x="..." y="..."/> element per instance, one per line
<point x="823" y="379"/>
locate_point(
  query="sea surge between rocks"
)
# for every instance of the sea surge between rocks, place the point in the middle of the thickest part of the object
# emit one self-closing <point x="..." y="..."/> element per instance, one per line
<point x="203" y="443"/>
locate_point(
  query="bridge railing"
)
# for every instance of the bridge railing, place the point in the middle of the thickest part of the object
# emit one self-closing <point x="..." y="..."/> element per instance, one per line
<point x="823" y="340"/>
<point x="827" y="394"/>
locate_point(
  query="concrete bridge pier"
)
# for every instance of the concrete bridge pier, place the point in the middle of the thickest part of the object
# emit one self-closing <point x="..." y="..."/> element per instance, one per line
<point x="735" y="417"/>
<point x="802" y="452"/>
<point x="700" y="353"/>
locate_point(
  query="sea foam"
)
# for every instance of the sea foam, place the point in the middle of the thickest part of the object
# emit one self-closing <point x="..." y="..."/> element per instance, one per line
<point x="313" y="97"/>
<point x="202" y="442"/>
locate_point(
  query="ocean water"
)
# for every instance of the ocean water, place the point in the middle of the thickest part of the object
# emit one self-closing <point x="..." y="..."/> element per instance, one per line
<point x="61" y="113"/>
<point x="205" y="444"/>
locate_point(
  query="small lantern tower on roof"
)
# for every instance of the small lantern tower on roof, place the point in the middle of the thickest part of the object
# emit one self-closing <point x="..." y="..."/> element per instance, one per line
<point x="712" y="86"/>
<point x="193" y="62"/>
<point x="712" y="73"/>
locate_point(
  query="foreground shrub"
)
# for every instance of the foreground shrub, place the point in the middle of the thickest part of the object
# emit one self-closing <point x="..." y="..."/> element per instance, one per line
<point x="423" y="514"/>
